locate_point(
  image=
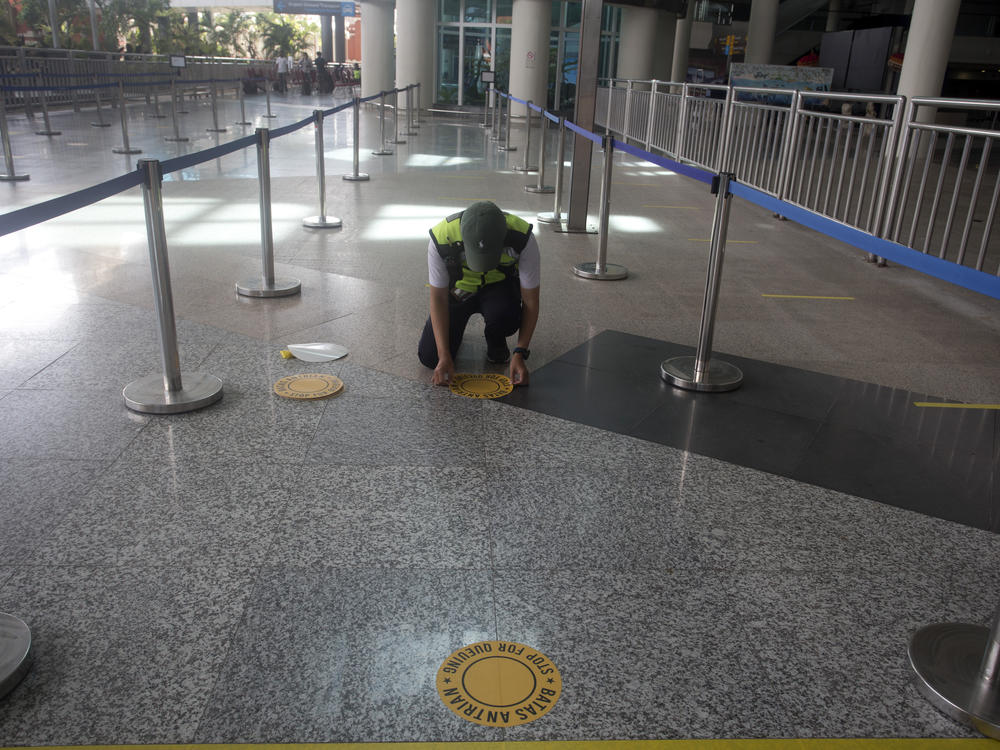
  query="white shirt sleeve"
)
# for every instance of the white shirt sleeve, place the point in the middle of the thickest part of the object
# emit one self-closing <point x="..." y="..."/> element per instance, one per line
<point x="437" y="271"/>
<point x="529" y="265"/>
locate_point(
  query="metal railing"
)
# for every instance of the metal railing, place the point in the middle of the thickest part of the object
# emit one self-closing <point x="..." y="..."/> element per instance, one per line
<point x="867" y="161"/>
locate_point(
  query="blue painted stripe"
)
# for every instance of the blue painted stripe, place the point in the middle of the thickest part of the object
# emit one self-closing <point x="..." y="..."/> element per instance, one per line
<point x="21" y="218"/>
<point x="945" y="270"/>
<point x="662" y="161"/>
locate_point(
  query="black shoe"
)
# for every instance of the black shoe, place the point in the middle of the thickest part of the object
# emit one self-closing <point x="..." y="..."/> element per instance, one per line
<point x="497" y="354"/>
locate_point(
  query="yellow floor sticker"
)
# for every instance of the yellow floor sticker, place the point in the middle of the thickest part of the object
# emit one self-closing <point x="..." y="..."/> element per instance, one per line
<point x="486" y="385"/>
<point x="309" y="385"/>
<point x="766" y="744"/>
<point x="499" y="683"/>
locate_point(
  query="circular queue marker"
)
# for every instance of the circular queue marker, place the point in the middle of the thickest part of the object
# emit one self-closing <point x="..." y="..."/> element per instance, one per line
<point x="499" y="683"/>
<point x="484" y="385"/>
<point x="309" y="385"/>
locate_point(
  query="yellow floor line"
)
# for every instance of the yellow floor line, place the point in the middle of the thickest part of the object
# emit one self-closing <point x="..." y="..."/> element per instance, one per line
<point x="763" y="744"/>
<point x="955" y="406"/>
<point x="801" y="296"/>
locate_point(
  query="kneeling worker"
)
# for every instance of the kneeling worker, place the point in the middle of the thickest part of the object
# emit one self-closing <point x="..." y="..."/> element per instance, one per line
<point x="481" y="260"/>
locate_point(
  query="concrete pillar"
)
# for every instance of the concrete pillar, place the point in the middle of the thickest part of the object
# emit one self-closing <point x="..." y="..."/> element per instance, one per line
<point x="760" y="33"/>
<point x="928" y="45"/>
<point x="377" y="69"/>
<point x="833" y="16"/>
<point x="663" y="55"/>
<point x="682" y="46"/>
<point x="529" y="52"/>
<point x="339" y="39"/>
<point x="415" y="20"/>
<point x="638" y="43"/>
<point x="326" y="36"/>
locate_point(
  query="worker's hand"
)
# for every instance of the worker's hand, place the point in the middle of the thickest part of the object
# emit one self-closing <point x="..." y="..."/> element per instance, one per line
<point x="444" y="372"/>
<point x="518" y="370"/>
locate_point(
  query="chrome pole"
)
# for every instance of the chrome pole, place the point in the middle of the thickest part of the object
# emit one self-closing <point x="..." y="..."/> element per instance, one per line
<point x="45" y="110"/>
<point x="602" y="270"/>
<point x="321" y="220"/>
<point x="357" y="176"/>
<point x="701" y="372"/>
<point x="382" y="150"/>
<point x="497" y="114"/>
<point x="243" y="108"/>
<point x="100" y="114"/>
<point x="267" y="94"/>
<point x="486" y="109"/>
<point x="526" y="167"/>
<point x="8" y="155"/>
<point x="124" y="148"/>
<point x="156" y="104"/>
<point x="266" y="285"/>
<point x="540" y="186"/>
<point x="506" y="143"/>
<point x="167" y="393"/>
<point x="215" y="113"/>
<point x="409" y="111"/>
<point x="173" y="114"/>
<point x="555" y="216"/>
<point x="395" y="117"/>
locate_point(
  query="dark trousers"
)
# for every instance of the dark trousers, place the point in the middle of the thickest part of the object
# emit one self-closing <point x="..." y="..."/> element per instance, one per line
<point x="500" y="306"/>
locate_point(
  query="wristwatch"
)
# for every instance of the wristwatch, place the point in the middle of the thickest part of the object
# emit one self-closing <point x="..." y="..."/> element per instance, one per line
<point x="522" y="351"/>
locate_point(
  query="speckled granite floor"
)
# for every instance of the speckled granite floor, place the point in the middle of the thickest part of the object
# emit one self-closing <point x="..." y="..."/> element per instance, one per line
<point x="275" y="571"/>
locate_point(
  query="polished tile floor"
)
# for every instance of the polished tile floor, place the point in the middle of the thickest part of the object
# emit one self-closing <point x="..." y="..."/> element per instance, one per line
<point x="734" y="565"/>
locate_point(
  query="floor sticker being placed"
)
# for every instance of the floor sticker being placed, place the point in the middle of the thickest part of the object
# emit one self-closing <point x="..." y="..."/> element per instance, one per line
<point x="499" y="683"/>
<point x="311" y="385"/>
<point x="486" y="385"/>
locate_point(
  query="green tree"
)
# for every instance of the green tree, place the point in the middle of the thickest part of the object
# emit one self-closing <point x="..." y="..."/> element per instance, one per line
<point x="281" y="35"/>
<point x="233" y="33"/>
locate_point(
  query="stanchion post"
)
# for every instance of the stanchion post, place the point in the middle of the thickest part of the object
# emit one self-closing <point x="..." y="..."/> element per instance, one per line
<point x="8" y="155"/>
<point x="168" y="393"/>
<point x="555" y="216"/>
<point x="409" y="111"/>
<point x="486" y="109"/>
<point x="266" y="285"/>
<point x="180" y="102"/>
<point x="603" y="270"/>
<point x="100" y="114"/>
<point x="395" y="117"/>
<point x="416" y="111"/>
<point x="701" y="372"/>
<point x="243" y="106"/>
<point x="156" y="104"/>
<point x="15" y="652"/>
<point x="177" y="137"/>
<point x="215" y="114"/>
<point x="957" y="667"/>
<point x="526" y="167"/>
<point x="45" y="110"/>
<point x="382" y="150"/>
<point x="497" y="114"/>
<point x="125" y="148"/>
<point x="321" y="220"/>
<point x="506" y="142"/>
<point x="540" y="186"/>
<point x="267" y="95"/>
<point x="357" y="176"/>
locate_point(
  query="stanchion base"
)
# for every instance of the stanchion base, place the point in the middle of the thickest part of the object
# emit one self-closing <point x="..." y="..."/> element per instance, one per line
<point x="322" y="222"/>
<point x="383" y="152"/>
<point x="549" y="217"/>
<point x="148" y="395"/>
<point x="48" y="132"/>
<point x="269" y="116"/>
<point x="506" y="148"/>
<point x="611" y="272"/>
<point x="411" y="132"/>
<point x="15" y="652"/>
<point x="156" y="117"/>
<point x="535" y="189"/>
<point x="359" y="177"/>
<point x="100" y="124"/>
<point x="280" y="288"/>
<point x="14" y="177"/>
<point x="564" y="227"/>
<point x="179" y="139"/>
<point x="123" y="150"/>
<point x="397" y="141"/>
<point x="216" y="130"/>
<point x="946" y="659"/>
<point x="244" y="122"/>
<point x="525" y="169"/>
<point x="721" y="376"/>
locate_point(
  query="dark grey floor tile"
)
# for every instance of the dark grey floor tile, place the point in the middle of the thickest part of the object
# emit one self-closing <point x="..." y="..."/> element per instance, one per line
<point x="349" y="655"/>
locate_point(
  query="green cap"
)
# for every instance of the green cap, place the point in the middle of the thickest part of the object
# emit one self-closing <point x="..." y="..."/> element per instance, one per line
<point x="484" y="229"/>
